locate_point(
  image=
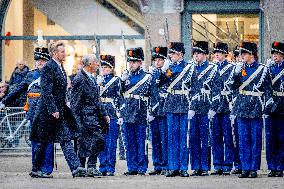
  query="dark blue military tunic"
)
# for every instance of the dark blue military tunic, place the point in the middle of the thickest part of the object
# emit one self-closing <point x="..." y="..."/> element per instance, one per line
<point x="134" y="106"/>
<point x="175" y="103"/>
<point x="201" y="86"/>
<point x="278" y="88"/>
<point x="221" y="89"/>
<point x="253" y="106"/>
<point x="157" y="104"/>
<point x="111" y="97"/>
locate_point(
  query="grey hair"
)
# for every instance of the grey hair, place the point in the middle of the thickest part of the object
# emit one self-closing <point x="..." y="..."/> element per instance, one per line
<point x="53" y="46"/>
<point x="88" y="59"/>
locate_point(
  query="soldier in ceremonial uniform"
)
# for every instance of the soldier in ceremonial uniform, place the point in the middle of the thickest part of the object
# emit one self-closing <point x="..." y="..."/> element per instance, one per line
<point x="176" y="108"/>
<point x="31" y="85"/>
<point x="159" y="126"/>
<point x="253" y="102"/>
<point x="137" y="87"/>
<point x="200" y="83"/>
<point x="219" y="113"/>
<point x="275" y="128"/>
<point x="110" y="93"/>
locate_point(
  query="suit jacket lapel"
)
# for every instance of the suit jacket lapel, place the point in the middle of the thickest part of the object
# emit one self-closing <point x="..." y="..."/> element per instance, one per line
<point x="89" y="81"/>
<point x="62" y="73"/>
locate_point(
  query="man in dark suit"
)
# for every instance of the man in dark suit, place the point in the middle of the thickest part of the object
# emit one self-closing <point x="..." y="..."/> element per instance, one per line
<point x="90" y="114"/>
<point x="52" y="114"/>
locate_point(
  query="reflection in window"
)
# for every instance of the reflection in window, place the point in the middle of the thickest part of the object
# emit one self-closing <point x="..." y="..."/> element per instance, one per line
<point x="228" y="28"/>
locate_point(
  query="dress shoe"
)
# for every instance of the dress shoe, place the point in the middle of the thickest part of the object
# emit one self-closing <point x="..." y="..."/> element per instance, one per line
<point x="184" y="174"/>
<point x="163" y="172"/>
<point x="226" y="172"/>
<point x="35" y="174"/>
<point x="128" y="173"/>
<point x="104" y="173"/>
<point x="245" y="174"/>
<point x="109" y="174"/>
<point x="196" y="173"/>
<point x="141" y="173"/>
<point x="236" y="171"/>
<point x="172" y="173"/>
<point x="46" y="175"/>
<point x="79" y="172"/>
<point x="279" y="174"/>
<point x="272" y="173"/>
<point x="204" y="173"/>
<point x="217" y="172"/>
<point x="155" y="172"/>
<point x="93" y="172"/>
<point x="253" y="174"/>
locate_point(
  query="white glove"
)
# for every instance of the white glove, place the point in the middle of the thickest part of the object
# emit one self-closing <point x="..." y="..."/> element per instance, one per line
<point x="120" y="121"/>
<point x="151" y="69"/>
<point x="264" y="116"/>
<point x="191" y="113"/>
<point x="211" y="114"/>
<point x="124" y="75"/>
<point x="2" y="106"/>
<point x="166" y="65"/>
<point x="238" y="68"/>
<point x="150" y="117"/>
<point x="100" y="79"/>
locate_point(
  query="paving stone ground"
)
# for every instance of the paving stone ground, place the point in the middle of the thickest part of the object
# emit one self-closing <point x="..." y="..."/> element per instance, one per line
<point x="14" y="169"/>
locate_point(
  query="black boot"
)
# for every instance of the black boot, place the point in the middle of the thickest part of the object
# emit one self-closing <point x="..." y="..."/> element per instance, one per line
<point x="272" y="173"/>
<point x="245" y="174"/>
<point x="279" y="174"/>
<point x="128" y="173"/>
<point x="155" y="172"/>
<point x="172" y="173"/>
<point x="226" y="172"/>
<point x="237" y="171"/>
<point x="204" y="173"/>
<point x="253" y="174"/>
<point x="217" y="172"/>
<point x="196" y="173"/>
<point x="79" y="172"/>
<point x="184" y="174"/>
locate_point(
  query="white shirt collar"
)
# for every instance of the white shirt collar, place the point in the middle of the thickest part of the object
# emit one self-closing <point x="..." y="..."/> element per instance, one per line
<point x="88" y="73"/>
<point x="59" y="64"/>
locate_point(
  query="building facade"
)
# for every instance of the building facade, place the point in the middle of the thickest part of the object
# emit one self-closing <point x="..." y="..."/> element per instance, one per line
<point x="90" y="26"/>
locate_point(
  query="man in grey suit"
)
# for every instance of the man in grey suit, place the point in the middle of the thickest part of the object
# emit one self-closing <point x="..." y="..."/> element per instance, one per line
<point x="90" y="114"/>
<point x="53" y="119"/>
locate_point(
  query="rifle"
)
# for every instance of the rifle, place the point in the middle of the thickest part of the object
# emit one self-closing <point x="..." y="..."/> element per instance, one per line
<point x="207" y="31"/>
<point x="149" y="41"/>
<point x="124" y="47"/>
<point x="228" y="32"/>
<point x="166" y="29"/>
<point x="97" y="46"/>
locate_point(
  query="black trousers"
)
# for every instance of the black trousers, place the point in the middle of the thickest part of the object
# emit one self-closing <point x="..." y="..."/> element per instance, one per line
<point x="68" y="151"/>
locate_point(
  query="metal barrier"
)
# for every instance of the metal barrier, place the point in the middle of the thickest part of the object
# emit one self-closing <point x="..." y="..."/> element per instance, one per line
<point x="14" y="129"/>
